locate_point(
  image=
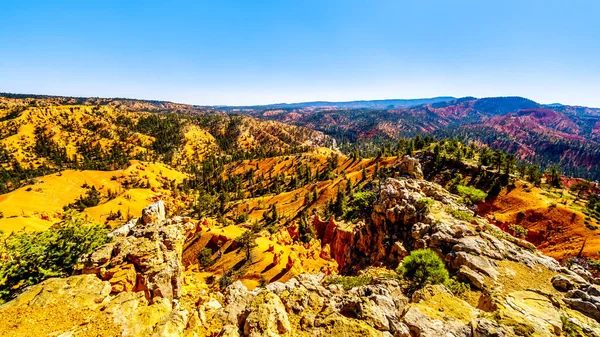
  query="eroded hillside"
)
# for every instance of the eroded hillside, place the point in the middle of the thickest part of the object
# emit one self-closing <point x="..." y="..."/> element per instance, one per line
<point x="541" y="134"/>
<point x="140" y="285"/>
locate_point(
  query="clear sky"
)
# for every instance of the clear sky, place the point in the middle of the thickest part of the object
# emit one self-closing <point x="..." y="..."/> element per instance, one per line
<point x="255" y="52"/>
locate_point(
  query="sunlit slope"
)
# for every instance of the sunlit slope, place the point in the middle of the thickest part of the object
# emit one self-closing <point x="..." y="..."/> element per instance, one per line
<point x="554" y="220"/>
<point x="38" y="205"/>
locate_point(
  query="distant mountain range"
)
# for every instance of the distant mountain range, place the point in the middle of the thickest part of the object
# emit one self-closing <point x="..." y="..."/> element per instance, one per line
<point x="537" y="133"/>
<point x="371" y="104"/>
<point x="543" y="134"/>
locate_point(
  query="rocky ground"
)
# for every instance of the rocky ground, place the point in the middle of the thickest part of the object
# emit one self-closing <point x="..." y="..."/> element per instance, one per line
<point x="137" y="285"/>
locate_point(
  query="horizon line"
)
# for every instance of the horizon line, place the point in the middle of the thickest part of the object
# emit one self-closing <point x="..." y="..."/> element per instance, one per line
<point x="450" y="97"/>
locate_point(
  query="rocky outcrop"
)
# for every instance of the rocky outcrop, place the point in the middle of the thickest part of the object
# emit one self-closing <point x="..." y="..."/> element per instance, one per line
<point x="563" y="283"/>
<point x="586" y="300"/>
<point x="409" y="166"/>
<point x="145" y="256"/>
<point x="372" y="310"/>
<point x="267" y="316"/>
<point x="401" y="221"/>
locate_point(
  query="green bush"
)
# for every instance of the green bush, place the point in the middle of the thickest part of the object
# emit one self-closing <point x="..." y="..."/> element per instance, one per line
<point x="205" y="257"/>
<point x="471" y="194"/>
<point x="423" y="267"/>
<point x="226" y="279"/>
<point x="456" y="287"/>
<point x="32" y="257"/>
<point x="349" y="282"/>
<point x="360" y="206"/>
<point x="458" y="214"/>
<point x="242" y="218"/>
<point x="519" y="230"/>
<point x="424" y="204"/>
<point x="570" y="329"/>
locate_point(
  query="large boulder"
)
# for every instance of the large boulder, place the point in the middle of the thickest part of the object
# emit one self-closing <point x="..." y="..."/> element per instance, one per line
<point x="475" y="278"/>
<point x="477" y="263"/>
<point x="237" y="298"/>
<point x="563" y="283"/>
<point x="267" y="317"/>
<point x="586" y="299"/>
<point x="154" y="214"/>
<point x="409" y="166"/>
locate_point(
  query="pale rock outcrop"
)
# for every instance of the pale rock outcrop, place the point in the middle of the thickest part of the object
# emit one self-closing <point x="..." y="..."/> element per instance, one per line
<point x="474" y="262"/>
<point x="586" y="299"/>
<point x="475" y="278"/>
<point x="267" y="317"/>
<point x="409" y="166"/>
<point x="147" y="258"/>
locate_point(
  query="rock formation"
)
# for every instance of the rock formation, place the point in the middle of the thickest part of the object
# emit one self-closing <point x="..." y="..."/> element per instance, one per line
<point x="144" y="255"/>
<point x="137" y="285"/>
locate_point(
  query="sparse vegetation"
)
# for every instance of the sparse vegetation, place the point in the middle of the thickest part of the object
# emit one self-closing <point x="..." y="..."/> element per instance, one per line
<point x="205" y="257"/>
<point x="456" y="287"/>
<point x="422" y="267"/>
<point x="226" y="279"/>
<point x="569" y="328"/>
<point x="34" y="256"/>
<point x="458" y="214"/>
<point x="471" y="194"/>
<point x="247" y="242"/>
<point x="360" y="205"/>
<point x="349" y="282"/>
<point x="518" y="230"/>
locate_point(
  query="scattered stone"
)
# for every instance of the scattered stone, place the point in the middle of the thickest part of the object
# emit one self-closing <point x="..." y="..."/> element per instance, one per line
<point x="562" y="283"/>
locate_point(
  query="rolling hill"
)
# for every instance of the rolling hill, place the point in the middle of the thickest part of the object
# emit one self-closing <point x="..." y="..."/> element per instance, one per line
<point x="541" y="134"/>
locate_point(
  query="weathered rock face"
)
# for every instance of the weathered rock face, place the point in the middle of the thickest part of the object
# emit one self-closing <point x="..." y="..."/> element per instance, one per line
<point x="475" y="251"/>
<point x="145" y="256"/>
<point x="304" y="307"/>
<point x="410" y="167"/>
<point x="586" y="300"/>
<point x="401" y="222"/>
<point x="267" y="316"/>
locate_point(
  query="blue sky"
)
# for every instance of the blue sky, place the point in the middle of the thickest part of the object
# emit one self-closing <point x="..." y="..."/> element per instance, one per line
<point x="255" y="52"/>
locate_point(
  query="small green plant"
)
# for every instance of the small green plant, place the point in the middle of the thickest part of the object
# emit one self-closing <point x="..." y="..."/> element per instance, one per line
<point x="523" y="329"/>
<point x="519" y="230"/>
<point x="458" y="214"/>
<point x="210" y="279"/>
<point x="242" y="218"/>
<point x="569" y="328"/>
<point x="422" y="267"/>
<point x="456" y="287"/>
<point x="262" y="282"/>
<point x="306" y="230"/>
<point x="470" y="194"/>
<point x="226" y="279"/>
<point x="349" y="282"/>
<point x="424" y="204"/>
<point x="205" y="257"/>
